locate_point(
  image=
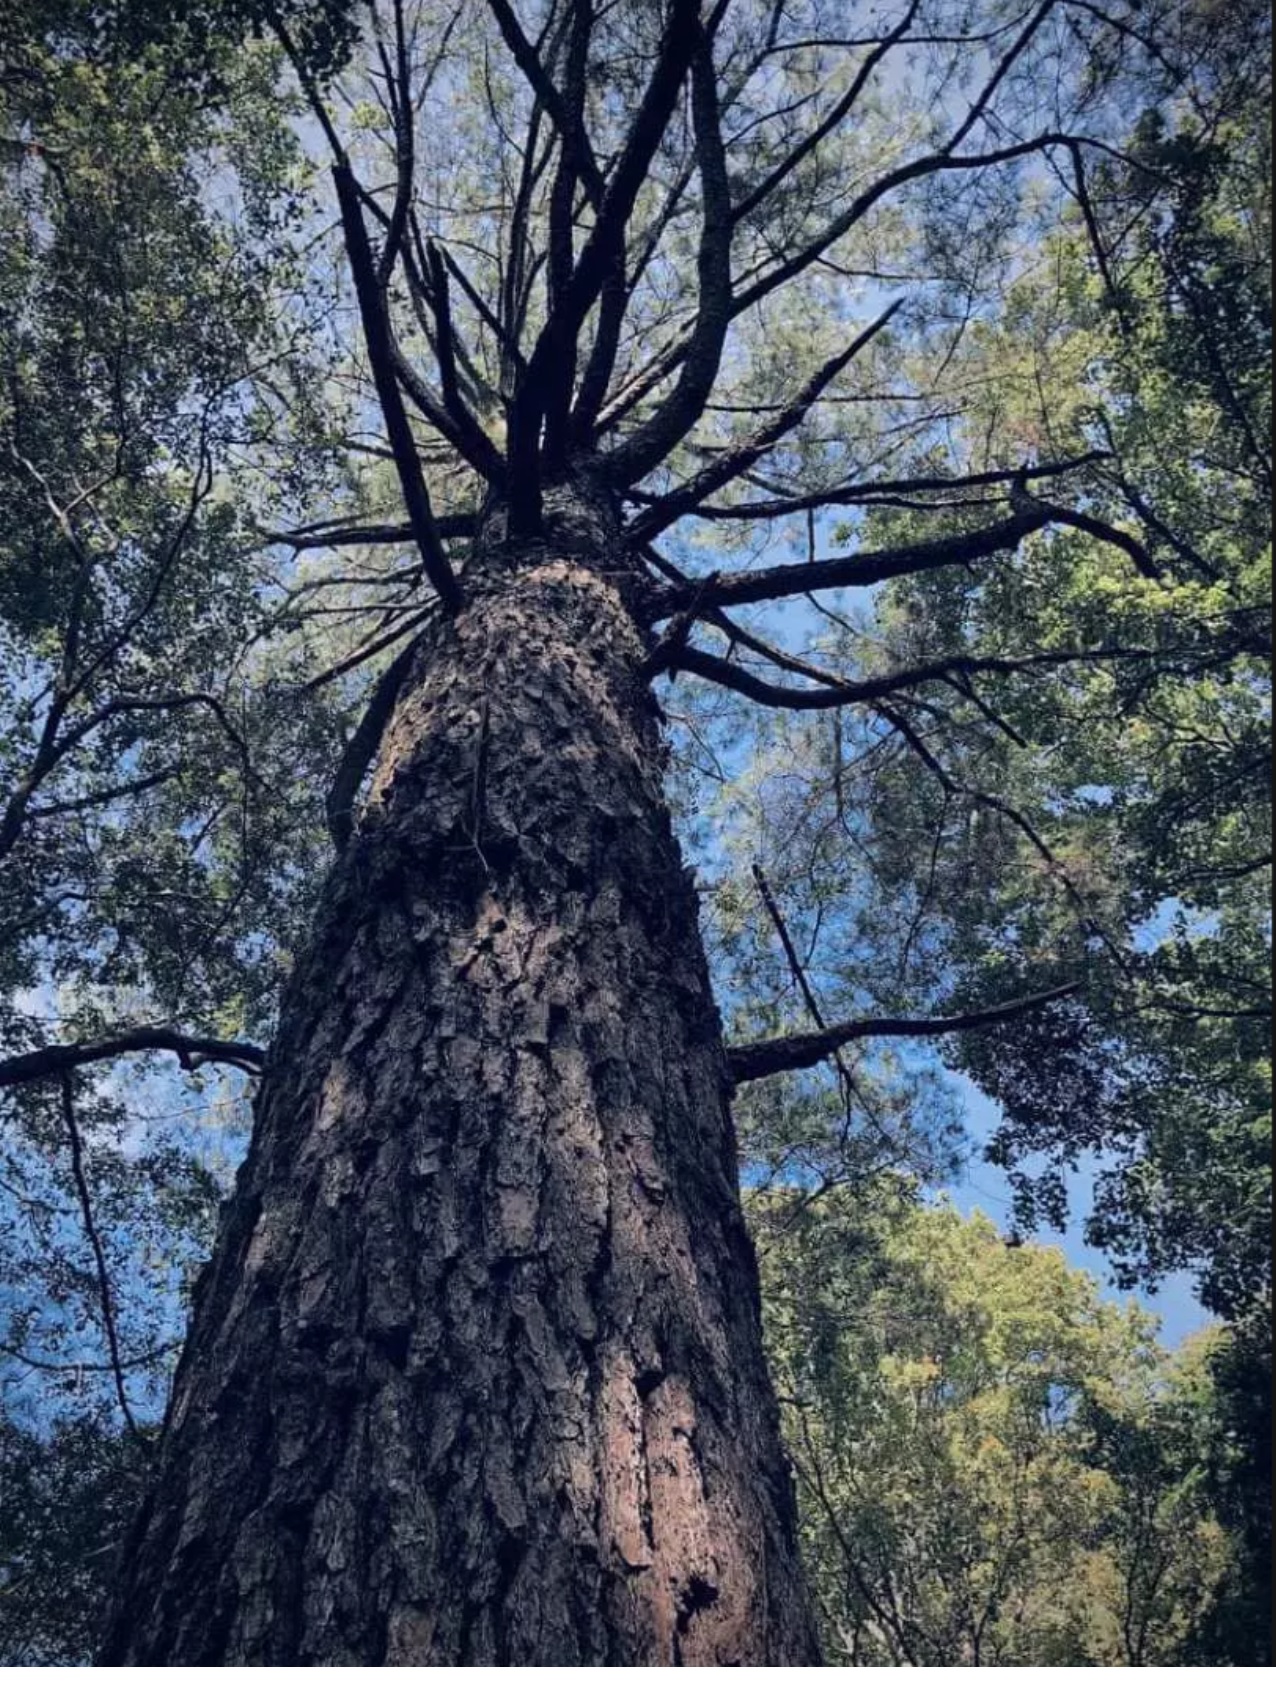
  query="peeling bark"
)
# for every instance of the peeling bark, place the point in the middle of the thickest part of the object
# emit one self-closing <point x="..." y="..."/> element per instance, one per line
<point x="475" y="1374"/>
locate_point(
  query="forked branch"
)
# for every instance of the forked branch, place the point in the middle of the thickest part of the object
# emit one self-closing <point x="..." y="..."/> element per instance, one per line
<point x="673" y="420"/>
<point x="566" y="120"/>
<point x="557" y="339"/>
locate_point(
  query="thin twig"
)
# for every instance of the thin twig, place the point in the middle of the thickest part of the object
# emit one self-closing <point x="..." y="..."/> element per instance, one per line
<point x="99" y="1257"/>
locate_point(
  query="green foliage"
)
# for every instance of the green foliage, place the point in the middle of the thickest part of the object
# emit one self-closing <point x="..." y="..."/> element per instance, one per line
<point x="68" y="1500"/>
<point x="1234" y="1457"/>
<point x="994" y="1466"/>
<point x="160" y="821"/>
<point x="1086" y="801"/>
<point x="193" y="36"/>
<point x="160" y="783"/>
<point x="151" y="320"/>
<point x="1149" y="777"/>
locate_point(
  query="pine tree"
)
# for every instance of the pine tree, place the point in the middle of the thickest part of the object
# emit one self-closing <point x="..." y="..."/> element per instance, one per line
<point x="475" y="1374"/>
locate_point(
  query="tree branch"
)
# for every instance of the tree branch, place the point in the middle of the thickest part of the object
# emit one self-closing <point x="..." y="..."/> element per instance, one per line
<point x="738" y="461"/>
<point x="934" y="163"/>
<point x="376" y="330"/>
<point x="1025" y="502"/>
<point x="103" y="797"/>
<point x="635" y="457"/>
<point x="1008" y="60"/>
<point x="561" y="241"/>
<point x="54" y="749"/>
<point x="840" y="111"/>
<point x="568" y="124"/>
<point x="559" y="334"/>
<point x="105" y="1302"/>
<point x="758" y="1058"/>
<point x="849" y="496"/>
<point x="367" y="652"/>
<point x="146" y="1359"/>
<point x="850" y="1090"/>
<point x="836" y="691"/>
<point x="122" y="704"/>
<point x="475" y="445"/>
<point x="871" y="567"/>
<point x="49" y="1062"/>
<point x="333" y="535"/>
<point x="1025" y="826"/>
<point x="363" y="744"/>
<point x="399" y="92"/>
<point x="509" y="349"/>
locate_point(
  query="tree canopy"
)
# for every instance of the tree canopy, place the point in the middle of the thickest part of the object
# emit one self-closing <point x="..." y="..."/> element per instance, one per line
<point x="997" y="1467"/>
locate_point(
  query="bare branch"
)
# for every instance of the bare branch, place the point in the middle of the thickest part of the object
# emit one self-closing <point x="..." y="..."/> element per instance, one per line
<point x="509" y="348"/>
<point x="850" y="1088"/>
<point x="104" y="797"/>
<point x="836" y="691"/>
<point x="635" y="457"/>
<point x="1020" y="821"/>
<point x="871" y="567"/>
<point x="473" y="442"/>
<point x="1096" y="239"/>
<point x="170" y="702"/>
<point x="935" y="163"/>
<point x="758" y="1058"/>
<point x="1007" y="62"/>
<point x="368" y="651"/>
<point x="558" y="336"/>
<point x="54" y="749"/>
<point x="399" y="89"/>
<point x="361" y="747"/>
<point x="105" y="1302"/>
<point x="336" y="536"/>
<point x="567" y="122"/>
<point x="871" y="491"/>
<point x="48" y="1063"/>
<point x="840" y="111"/>
<point x="311" y="91"/>
<point x="561" y="241"/>
<point x="41" y="1365"/>
<point x="147" y="1358"/>
<point x="377" y="336"/>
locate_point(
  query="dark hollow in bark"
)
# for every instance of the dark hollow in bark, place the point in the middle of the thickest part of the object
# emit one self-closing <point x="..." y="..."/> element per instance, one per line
<point x="475" y="1374"/>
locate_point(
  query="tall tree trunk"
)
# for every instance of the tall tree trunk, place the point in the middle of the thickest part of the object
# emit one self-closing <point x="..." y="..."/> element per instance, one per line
<point x="475" y="1375"/>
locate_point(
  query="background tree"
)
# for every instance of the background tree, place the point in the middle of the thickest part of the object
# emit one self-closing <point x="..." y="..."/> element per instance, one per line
<point x="995" y="1466"/>
<point x="155" y="340"/>
<point x="68" y="1498"/>
<point x="582" y="333"/>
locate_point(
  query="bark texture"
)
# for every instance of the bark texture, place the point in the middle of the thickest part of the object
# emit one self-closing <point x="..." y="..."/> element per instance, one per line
<point x="475" y="1375"/>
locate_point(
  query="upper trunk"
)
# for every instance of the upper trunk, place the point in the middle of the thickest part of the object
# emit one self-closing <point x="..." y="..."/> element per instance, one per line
<point x="475" y="1376"/>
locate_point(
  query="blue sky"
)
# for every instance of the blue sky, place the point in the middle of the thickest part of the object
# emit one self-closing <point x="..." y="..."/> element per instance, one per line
<point x="983" y="1186"/>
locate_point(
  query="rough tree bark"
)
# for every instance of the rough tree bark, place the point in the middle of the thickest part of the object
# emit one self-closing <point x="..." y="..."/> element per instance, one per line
<point x="475" y="1375"/>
